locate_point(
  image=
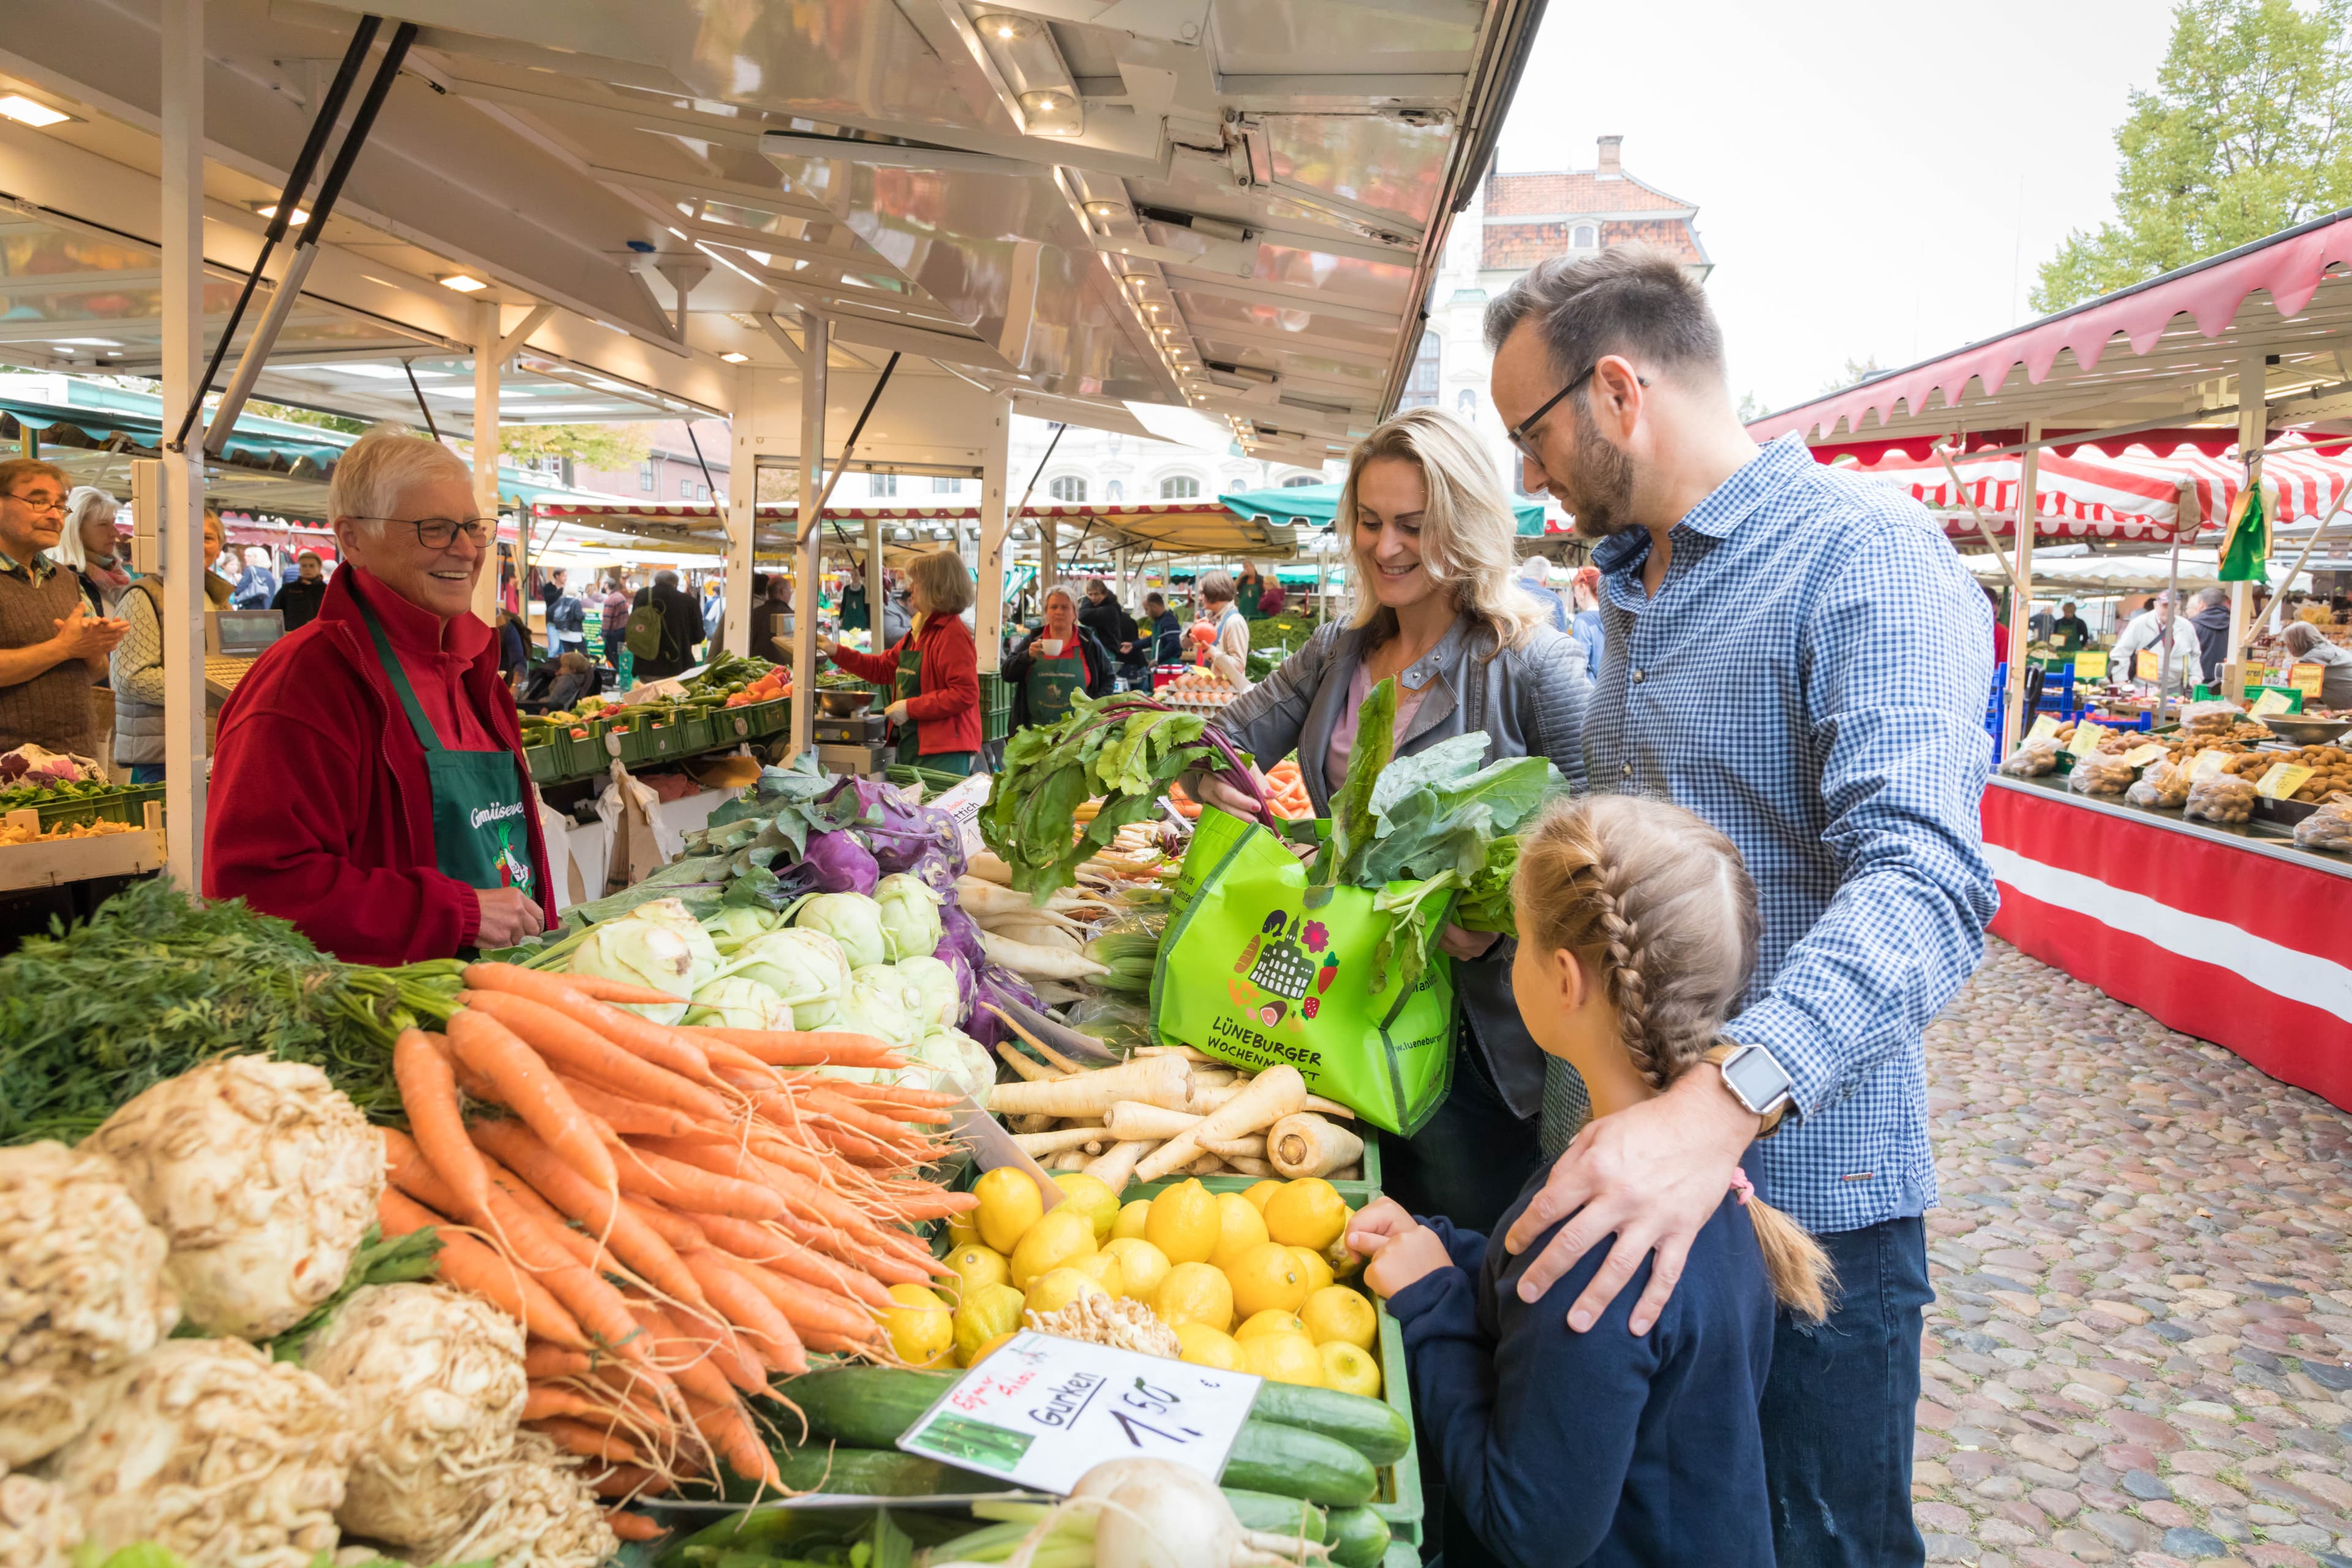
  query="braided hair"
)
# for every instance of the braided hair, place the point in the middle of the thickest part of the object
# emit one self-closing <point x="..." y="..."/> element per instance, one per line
<point x="1657" y="905"/>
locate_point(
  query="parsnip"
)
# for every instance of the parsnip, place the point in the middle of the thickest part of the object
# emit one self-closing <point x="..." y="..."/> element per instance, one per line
<point x="1026" y="958"/>
<point x="1156" y="1080"/>
<point x="1129" y="1119"/>
<point x="1209" y="1102"/>
<point x="1322" y="1107"/>
<point x="1250" y="1147"/>
<point x="1069" y="1160"/>
<point x="1212" y="1078"/>
<point x="1035" y="1071"/>
<point x="1061" y="1140"/>
<point x="1029" y="1126"/>
<point x="1275" y="1093"/>
<point x="1206" y="1166"/>
<point x="987" y="868"/>
<point x="1189" y="1053"/>
<point x="1303" y="1144"/>
<point x="1241" y="1167"/>
<point x="1114" y="1167"/>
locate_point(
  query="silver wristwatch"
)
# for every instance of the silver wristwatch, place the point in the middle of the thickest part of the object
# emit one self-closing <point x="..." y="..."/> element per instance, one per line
<point x="1756" y="1078"/>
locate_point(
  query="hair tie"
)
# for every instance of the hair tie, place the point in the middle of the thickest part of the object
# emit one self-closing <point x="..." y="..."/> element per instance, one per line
<point x="1741" y="1187"/>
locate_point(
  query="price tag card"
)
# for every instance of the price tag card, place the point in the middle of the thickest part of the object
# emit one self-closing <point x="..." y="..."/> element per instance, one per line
<point x="2208" y="764"/>
<point x="2084" y="741"/>
<point x="963" y="803"/>
<point x="2140" y="756"/>
<point x="1043" y="1411"/>
<point x="2282" y="780"/>
<point x="2307" y="679"/>
<point x="2271" y="700"/>
<point x="2043" y="728"/>
<point x="2091" y="665"/>
<point x="2147" y="665"/>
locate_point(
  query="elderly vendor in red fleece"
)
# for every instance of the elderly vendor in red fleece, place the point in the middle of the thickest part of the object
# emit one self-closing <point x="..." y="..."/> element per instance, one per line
<point x="368" y="783"/>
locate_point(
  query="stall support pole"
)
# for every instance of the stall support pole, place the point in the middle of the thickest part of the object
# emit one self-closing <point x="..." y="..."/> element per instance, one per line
<point x="1049" y="556"/>
<point x="182" y="509"/>
<point x="2253" y="428"/>
<point x="742" y="496"/>
<point x="809" y="531"/>
<point x="2021" y="602"/>
<point x="874" y="590"/>
<point x="988" y="576"/>
<point x="486" y="465"/>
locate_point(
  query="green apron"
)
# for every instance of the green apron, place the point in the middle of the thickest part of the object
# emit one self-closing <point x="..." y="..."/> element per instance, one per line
<point x="910" y="684"/>
<point x="1052" y="681"/>
<point x="481" y="833"/>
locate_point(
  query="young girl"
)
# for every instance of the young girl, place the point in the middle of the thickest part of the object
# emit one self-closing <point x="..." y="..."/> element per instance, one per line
<point x="1637" y="932"/>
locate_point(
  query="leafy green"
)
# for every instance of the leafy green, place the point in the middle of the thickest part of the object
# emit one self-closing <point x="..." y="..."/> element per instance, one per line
<point x="1487" y="904"/>
<point x="1125" y="750"/>
<point x="1420" y="909"/>
<point x="1352" y="826"/>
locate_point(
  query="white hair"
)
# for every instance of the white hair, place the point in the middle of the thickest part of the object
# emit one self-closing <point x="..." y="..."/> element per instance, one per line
<point x="378" y="469"/>
<point x="1067" y="588"/>
<point x="83" y="501"/>
<point x="1535" y="569"/>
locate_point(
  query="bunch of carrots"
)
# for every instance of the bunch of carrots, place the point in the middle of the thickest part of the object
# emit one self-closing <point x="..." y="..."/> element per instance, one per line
<point x="1286" y="794"/>
<point x="675" y="1215"/>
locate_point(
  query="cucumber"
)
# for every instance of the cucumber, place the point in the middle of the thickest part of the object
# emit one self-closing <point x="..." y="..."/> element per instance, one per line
<point x="1281" y="1515"/>
<point x="877" y="1472"/>
<point x="1291" y="1461"/>
<point x="865" y="1407"/>
<point x="1370" y="1426"/>
<point x="1358" y="1537"/>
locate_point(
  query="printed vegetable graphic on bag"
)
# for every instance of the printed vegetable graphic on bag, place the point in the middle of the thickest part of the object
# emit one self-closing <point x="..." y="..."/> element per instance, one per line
<point x="1334" y="968"/>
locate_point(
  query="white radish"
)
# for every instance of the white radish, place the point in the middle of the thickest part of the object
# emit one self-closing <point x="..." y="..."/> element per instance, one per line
<point x="1151" y="1513"/>
<point x="1053" y="938"/>
<point x="1156" y="1080"/>
<point x="986" y="868"/>
<point x="1027" y="958"/>
<point x="1274" y="1094"/>
<point x="1303" y="1144"/>
<point x="1131" y="1119"/>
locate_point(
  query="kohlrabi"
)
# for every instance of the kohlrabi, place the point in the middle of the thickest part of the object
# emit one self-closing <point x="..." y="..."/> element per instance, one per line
<point x="852" y="919"/>
<point x="958" y="1064"/>
<point x="737" y="1001"/>
<point x="730" y="928"/>
<point x="875" y="1007"/>
<point x="659" y="944"/>
<point x="938" y="997"/>
<point x="911" y="915"/>
<point x="805" y="968"/>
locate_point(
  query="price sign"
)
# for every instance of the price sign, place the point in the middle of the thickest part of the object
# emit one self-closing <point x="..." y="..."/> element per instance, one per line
<point x="2208" y="764"/>
<point x="2282" y="780"/>
<point x="2043" y="728"/>
<point x="963" y="803"/>
<point x="2307" y="679"/>
<point x="2147" y="666"/>
<point x="2084" y="741"/>
<point x="2271" y="700"/>
<point x="2140" y="756"/>
<point x="2091" y="665"/>
<point x="1043" y="1411"/>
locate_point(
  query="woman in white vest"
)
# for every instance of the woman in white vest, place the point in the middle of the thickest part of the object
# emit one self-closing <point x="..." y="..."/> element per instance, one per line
<point x="137" y="666"/>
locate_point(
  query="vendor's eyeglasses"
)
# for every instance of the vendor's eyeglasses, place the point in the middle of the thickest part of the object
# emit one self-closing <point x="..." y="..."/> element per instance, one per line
<point x="1522" y="435"/>
<point x="436" y="532"/>
<point x="40" y="503"/>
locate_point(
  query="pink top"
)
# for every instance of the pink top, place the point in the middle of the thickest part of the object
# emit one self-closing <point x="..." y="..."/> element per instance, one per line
<point x="1343" y="733"/>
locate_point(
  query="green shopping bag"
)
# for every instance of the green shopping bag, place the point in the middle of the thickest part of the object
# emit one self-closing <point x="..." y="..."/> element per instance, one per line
<point x="1257" y="968"/>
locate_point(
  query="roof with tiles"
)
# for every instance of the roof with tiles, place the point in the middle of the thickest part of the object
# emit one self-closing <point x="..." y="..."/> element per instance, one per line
<point x="1531" y="216"/>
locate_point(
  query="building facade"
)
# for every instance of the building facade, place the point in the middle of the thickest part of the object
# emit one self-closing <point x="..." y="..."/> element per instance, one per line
<point x="669" y="473"/>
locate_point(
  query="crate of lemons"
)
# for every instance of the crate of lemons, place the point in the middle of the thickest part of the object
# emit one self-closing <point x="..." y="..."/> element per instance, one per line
<point x="1247" y="1281"/>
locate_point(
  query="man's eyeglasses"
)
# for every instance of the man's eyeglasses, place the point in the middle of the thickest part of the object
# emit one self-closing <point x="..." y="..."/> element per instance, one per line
<point x="436" y="532"/>
<point x="1522" y="435"/>
<point x="40" y="503"/>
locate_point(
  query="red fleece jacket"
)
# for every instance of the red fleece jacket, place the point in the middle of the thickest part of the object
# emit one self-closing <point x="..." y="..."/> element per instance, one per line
<point x="945" y="704"/>
<point x="320" y="809"/>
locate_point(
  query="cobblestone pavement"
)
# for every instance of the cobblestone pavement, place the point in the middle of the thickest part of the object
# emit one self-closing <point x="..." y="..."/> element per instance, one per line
<point x="2141" y="1349"/>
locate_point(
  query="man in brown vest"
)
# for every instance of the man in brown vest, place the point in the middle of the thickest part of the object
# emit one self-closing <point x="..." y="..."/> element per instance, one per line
<point x="51" y="651"/>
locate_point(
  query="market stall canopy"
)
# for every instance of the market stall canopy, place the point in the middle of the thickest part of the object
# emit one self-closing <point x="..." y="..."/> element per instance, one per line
<point x="1235" y="206"/>
<point x="1173" y="528"/>
<point x="1316" y="505"/>
<point x="2101" y="576"/>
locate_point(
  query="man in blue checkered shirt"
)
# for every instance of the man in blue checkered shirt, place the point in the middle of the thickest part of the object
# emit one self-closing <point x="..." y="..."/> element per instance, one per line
<point x="1798" y="656"/>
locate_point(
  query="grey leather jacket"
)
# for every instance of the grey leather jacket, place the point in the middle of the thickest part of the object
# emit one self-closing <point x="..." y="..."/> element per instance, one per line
<point x="1530" y="702"/>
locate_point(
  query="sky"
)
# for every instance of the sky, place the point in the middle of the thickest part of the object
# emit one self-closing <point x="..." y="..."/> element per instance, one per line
<point x="1871" y="180"/>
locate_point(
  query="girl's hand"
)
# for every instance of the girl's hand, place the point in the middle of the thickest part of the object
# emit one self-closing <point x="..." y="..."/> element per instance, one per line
<point x="1376" y="1224"/>
<point x="1405" y="1259"/>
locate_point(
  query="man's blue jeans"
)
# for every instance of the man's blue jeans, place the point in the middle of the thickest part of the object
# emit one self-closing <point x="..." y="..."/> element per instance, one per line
<point x="1839" y="1407"/>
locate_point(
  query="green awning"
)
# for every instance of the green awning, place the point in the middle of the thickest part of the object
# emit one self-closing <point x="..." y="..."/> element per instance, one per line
<point x="1315" y="504"/>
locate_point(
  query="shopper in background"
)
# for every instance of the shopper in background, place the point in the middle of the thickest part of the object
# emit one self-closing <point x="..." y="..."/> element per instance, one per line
<point x="258" y="584"/>
<point x="1585" y="625"/>
<point x="138" y="665"/>
<point x="1229" y="635"/>
<point x="616" y="619"/>
<point x="1248" y="590"/>
<point x="551" y="593"/>
<point x="897" y="612"/>
<point x="1535" y="581"/>
<point x="575" y="677"/>
<point x="1099" y="614"/>
<point x="665" y="623"/>
<point x="1167" y="631"/>
<point x="299" y="599"/>
<point x="1059" y="659"/>
<point x="370" y="784"/>
<point x="514" y="652"/>
<point x="772" y="629"/>
<point x="2307" y="644"/>
<point x="2208" y="612"/>
<point x="2069" y="631"/>
<point x="2178" y="659"/>
<point x="89" y="546"/>
<point x="52" y="649"/>
<point x="932" y="673"/>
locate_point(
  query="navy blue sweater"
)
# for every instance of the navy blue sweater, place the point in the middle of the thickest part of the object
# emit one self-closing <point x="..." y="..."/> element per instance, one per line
<point x="1599" y="1448"/>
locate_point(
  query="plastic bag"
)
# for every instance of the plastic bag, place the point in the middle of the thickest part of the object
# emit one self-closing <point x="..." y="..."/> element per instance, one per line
<point x="2222" y="797"/>
<point x="2101" y="774"/>
<point x="2330" y="828"/>
<point x="2031" y="760"/>
<point x="2208" y="717"/>
<point x="2164" y="786"/>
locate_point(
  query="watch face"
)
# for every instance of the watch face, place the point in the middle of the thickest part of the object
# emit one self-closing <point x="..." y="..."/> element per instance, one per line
<point x="1756" y="1079"/>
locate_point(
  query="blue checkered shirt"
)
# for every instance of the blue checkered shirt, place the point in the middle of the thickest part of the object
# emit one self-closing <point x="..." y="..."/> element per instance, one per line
<point x="1811" y="678"/>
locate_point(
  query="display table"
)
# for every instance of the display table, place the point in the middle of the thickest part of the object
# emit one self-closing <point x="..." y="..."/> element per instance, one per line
<point x="2227" y="934"/>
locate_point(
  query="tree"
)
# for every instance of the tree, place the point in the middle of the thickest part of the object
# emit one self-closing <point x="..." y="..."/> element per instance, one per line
<point x="2249" y="131"/>
<point x="1751" y="407"/>
<point x="605" y="447"/>
<point x="1854" y="373"/>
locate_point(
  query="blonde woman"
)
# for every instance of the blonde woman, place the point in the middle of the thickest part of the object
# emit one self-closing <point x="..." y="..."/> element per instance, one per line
<point x="1435" y="607"/>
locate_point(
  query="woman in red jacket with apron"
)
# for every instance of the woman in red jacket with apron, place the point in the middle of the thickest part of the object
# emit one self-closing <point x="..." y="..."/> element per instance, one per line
<point x="933" y="673"/>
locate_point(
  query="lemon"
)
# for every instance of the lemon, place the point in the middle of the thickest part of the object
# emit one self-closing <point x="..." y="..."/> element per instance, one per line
<point x="1063" y="1235"/>
<point x="1130" y="1220"/>
<point x="1195" y="1293"/>
<point x="1350" y="1369"/>
<point x="1204" y="1346"/>
<point x="1184" y="1223"/>
<point x="1093" y="1198"/>
<point x="989" y="1310"/>
<point x="1009" y="1205"/>
<point x="977" y="1265"/>
<point x="1057" y="1288"/>
<point x="1336" y="1315"/>
<point x="1345" y="1265"/>
<point x="1267" y="1277"/>
<point x="1259" y="1192"/>
<point x="921" y="1328"/>
<point x="1272" y="1321"/>
<point x="1141" y="1266"/>
<point x="1103" y="1268"/>
<point x="1239" y="1227"/>
<point x="962" y="1230"/>
<point x="1319" y="1272"/>
<point x="1282" y="1358"/>
<point x="984" y="1352"/>
<point x="1309" y="1213"/>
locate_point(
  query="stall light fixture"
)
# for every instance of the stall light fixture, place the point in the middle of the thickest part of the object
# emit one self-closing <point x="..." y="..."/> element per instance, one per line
<point x="464" y="283"/>
<point x="1105" y="210"/>
<point x="1053" y="112"/>
<point x="269" y="209"/>
<point x="731" y="357"/>
<point x="24" y="110"/>
<point x="1007" y="30"/>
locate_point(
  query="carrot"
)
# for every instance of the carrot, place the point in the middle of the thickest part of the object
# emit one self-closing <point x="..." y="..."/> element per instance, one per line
<point x="528" y="1087"/>
<point x="625" y="1481"/>
<point x="852" y="1115"/>
<point x="773" y="1249"/>
<point x="721" y="1055"/>
<point x="625" y="1115"/>
<point x="695" y="1189"/>
<point x="811" y="1309"/>
<point x="764" y="1329"/>
<point x="472" y="1267"/>
<point x="542" y="1401"/>
<point x="515" y="979"/>
<point x="633" y="1032"/>
<point x="545" y="1362"/>
<point x="428" y="1093"/>
<point x="576" y="1047"/>
<point x="803" y="1048"/>
<point x="707" y="1364"/>
<point x="631" y="1239"/>
<point x="636" y="1526"/>
<point x="683" y="1234"/>
<point x="731" y="1433"/>
<point x="581" y="1437"/>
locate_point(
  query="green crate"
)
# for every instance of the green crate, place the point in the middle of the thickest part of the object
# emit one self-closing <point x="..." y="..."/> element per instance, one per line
<point x="653" y="742"/>
<point x="772" y="717"/>
<point x="125" y="804"/>
<point x="995" y="707"/>
<point x="546" y="763"/>
<point x="699" y="735"/>
<point x="733" y="726"/>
